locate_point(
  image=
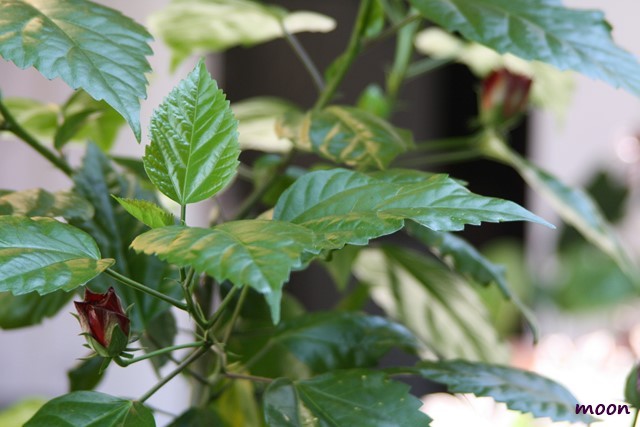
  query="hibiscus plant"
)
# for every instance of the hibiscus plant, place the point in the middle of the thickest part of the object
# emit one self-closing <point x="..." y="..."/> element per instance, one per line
<point x="256" y="356"/>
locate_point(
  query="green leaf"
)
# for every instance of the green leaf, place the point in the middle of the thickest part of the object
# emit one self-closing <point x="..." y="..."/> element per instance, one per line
<point x="147" y="212"/>
<point x="351" y="136"/>
<point x="60" y="39"/>
<point x="19" y="311"/>
<point x="257" y="253"/>
<point x="45" y="255"/>
<point x="194" y="140"/>
<point x="329" y="341"/>
<point x="237" y="405"/>
<point x="466" y="260"/>
<point x="159" y="333"/>
<point x="573" y="205"/>
<point x="38" y="202"/>
<point x="374" y="23"/>
<point x="86" y="119"/>
<point x="91" y="409"/>
<point x="541" y="30"/>
<point x="113" y="229"/>
<point x="281" y="405"/>
<point x="197" y="417"/>
<point x="632" y="388"/>
<point x="204" y="26"/>
<point x="373" y="100"/>
<point x="18" y="414"/>
<point x="349" y="207"/>
<point x="520" y="390"/>
<point x="258" y="118"/>
<point x="349" y="398"/>
<point x="87" y="374"/>
<point x="38" y="118"/>
<point x="436" y="305"/>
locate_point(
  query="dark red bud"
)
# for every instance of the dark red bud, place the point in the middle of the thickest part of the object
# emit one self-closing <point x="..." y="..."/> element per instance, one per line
<point x="99" y="314"/>
<point x="504" y="96"/>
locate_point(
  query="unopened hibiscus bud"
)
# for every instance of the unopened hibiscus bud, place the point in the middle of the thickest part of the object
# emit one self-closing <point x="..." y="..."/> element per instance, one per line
<point x="103" y="322"/>
<point x="504" y="97"/>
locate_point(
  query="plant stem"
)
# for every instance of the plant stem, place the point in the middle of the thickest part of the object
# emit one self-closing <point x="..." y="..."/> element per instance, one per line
<point x="254" y="198"/>
<point x="426" y="65"/>
<point x="181" y="367"/>
<point x="247" y="377"/>
<point x="397" y="26"/>
<point x="140" y="287"/>
<point x="404" y="51"/>
<point x="236" y="313"/>
<point x="304" y="57"/>
<point x="455" y="156"/>
<point x="347" y="58"/>
<point x="10" y="124"/>
<point x="635" y="418"/>
<point x="447" y="143"/>
<point x="225" y="302"/>
<point x="194" y="310"/>
<point x="160" y="352"/>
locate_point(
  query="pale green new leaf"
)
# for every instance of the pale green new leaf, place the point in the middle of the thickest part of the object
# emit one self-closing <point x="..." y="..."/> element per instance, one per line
<point x="257" y="123"/>
<point x="92" y="409"/>
<point x="436" y="305"/>
<point x="85" y="119"/>
<point x="204" y="26"/>
<point x="147" y="212"/>
<point x="88" y="45"/>
<point x="343" y="399"/>
<point x="351" y="136"/>
<point x="255" y="253"/>
<point x="38" y="118"/>
<point x="19" y="413"/>
<point x="542" y="30"/>
<point x="520" y="390"/>
<point x="194" y="140"/>
<point x="38" y="202"/>
<point x="44" y="255"/>
<point x="347" y="207"/>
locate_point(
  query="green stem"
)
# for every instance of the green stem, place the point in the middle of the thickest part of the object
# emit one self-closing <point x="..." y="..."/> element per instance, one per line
<point x="181" y="367"/>
<point x="192" y="307"/>
<point x="347" y="58"/>
<point x="223" y="305"/>
<point x="10" y="124"/>
<point x="236" y="313"/>
<point x="404" y="51"/>
<point x="254" y="198"/>
<point x="304" y="57"/>
<point x="397" y="26"/>
<point x="447" y="143"/>
<point x="247" y="377"/>
<point x="635" y="418"/>
<point x="426" y="65"/>
<point x="451" y="157"/>
<point x="140" y="287"/>
<point x="183" y="221"/>
<point x="160" y="352"/>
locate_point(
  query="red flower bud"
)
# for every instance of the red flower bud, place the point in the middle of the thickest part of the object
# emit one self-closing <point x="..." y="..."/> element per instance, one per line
<point x="99" y="315"/>
<point x="503" y="97"/>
